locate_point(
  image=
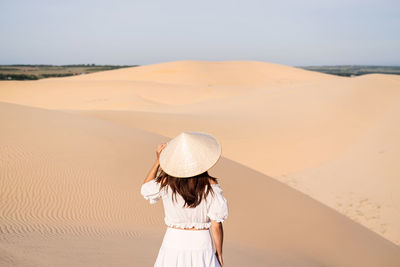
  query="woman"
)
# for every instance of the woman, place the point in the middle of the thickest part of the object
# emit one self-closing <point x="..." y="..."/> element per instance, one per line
<point x="193" y="202"/>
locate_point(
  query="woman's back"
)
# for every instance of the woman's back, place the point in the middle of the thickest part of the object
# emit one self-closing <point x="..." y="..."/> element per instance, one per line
<point x="213" y="207"/>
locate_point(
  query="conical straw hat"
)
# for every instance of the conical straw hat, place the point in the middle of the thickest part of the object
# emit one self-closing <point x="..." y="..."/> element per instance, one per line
<point x="190" y="154"/>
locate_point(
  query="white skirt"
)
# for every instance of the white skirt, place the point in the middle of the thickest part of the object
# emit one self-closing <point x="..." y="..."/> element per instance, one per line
<point x="186" y="248"/>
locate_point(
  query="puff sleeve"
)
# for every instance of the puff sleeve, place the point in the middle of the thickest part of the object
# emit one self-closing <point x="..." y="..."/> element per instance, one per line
<point x="218" y="209"/>
<point x="151" y="191"/>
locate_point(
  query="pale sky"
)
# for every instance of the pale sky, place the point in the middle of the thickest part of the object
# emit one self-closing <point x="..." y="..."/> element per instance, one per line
<point x="309" y="32"/>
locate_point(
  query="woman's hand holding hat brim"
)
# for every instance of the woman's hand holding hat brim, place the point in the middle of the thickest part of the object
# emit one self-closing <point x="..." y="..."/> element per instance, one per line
<point x="160" y="148"/>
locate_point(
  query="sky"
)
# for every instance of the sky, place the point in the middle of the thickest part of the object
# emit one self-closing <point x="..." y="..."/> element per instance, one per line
<point x="130" y="32"/>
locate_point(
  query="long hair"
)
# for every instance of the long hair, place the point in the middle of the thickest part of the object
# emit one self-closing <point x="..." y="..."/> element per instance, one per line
<point x="192" y="189"/>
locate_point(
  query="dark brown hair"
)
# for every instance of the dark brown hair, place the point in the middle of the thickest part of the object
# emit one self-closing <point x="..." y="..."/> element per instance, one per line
<point x="192" y="189"/>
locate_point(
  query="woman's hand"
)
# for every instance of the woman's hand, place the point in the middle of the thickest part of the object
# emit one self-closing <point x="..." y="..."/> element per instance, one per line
<point x="160" y="147"/>
<point x="153" y="171"/>
<point x="220" y="260"/>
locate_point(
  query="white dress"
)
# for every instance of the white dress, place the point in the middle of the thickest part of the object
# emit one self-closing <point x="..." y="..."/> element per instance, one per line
<point x="185" y="248"/>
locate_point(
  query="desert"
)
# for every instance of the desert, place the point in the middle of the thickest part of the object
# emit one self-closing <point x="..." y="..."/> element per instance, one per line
<point x="321" y="149"/>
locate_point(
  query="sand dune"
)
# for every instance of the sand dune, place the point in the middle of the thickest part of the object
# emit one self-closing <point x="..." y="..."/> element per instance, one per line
<point x="332" y="138"/>
<point x="166" y="84"/>
<point x="204" y="73"/>
<point x="291" y="131"/>
<point x="70" y="188"/>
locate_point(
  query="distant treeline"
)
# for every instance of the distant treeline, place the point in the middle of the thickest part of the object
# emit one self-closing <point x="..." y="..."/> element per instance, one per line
<point x="354" y="70"/>
<point x="21" y="77"/>
<point x="18" y="77"/>
<point x="70" y="66"/>
<point x="40" y="71"/>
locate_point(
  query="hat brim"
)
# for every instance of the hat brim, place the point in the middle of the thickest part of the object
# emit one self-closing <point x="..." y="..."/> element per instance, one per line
<point x="190" y="154"/>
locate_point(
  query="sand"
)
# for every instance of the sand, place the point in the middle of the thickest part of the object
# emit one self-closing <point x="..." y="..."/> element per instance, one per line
<point x="308" y="163"/>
